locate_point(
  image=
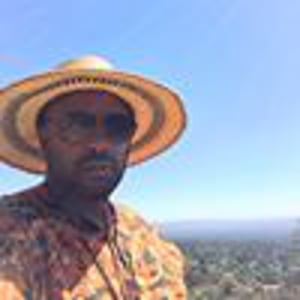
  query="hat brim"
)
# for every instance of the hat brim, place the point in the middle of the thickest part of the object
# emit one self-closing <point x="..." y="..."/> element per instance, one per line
<point x="159" y="113"/>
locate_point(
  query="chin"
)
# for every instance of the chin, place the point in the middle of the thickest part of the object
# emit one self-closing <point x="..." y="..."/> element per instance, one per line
<point x="93" y="184"/>
<point x="94" y="188"/>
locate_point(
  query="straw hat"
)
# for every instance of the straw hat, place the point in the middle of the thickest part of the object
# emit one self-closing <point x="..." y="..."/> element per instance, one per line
<point x="159" y="112"/>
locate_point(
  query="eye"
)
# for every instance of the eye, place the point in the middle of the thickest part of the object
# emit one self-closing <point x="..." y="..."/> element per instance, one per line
<point x="119" y="126"/>
<point x="84" y="120"/>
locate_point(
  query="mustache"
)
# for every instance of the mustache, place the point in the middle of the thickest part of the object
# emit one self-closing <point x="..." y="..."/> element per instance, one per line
<point x="102" y="158"/>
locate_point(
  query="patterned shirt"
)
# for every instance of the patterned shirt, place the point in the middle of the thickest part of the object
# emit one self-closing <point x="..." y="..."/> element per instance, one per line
<point x="44" y="256"/>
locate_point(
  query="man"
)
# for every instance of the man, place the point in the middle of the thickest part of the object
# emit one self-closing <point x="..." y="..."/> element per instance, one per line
<point x="82" y="125"/>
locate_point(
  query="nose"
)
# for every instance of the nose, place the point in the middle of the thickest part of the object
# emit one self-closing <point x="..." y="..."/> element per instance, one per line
<point x="99" y="143"/>
<point x="96" y="138"/>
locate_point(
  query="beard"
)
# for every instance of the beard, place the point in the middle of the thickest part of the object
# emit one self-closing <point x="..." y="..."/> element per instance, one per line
<point x="97" y="183"/>
<point x="91" y="174"/>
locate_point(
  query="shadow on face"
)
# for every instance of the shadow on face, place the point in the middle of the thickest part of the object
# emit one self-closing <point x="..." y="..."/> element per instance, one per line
<point x="85" y="136"/>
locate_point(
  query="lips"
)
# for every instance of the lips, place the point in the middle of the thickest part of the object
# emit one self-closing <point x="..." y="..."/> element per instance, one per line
<point x="97" y="168"/>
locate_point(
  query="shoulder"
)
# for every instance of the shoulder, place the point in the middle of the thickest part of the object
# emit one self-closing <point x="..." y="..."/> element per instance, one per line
<point x="15" y="249"/>
<point x="18" y="206"/>
<point x="13" y="233"/>
<point x="16" y="213"/>
<point x="158" y="262"/>
<point x="8" y="214"/>
<point x="132" y="224"/>
<point x="146" y="237"/>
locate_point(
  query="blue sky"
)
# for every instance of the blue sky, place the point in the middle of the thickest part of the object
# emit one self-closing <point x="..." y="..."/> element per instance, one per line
<point x="236" y="64"/>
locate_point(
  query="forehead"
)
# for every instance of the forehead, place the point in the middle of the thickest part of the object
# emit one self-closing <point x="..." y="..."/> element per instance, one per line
<point x="95" y="102"/>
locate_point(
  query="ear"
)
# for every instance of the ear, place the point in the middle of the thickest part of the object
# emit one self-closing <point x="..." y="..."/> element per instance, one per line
<point x="43" y="136"/>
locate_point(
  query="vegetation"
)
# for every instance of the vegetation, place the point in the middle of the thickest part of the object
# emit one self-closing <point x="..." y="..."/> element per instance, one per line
<point x="241" y="270"/>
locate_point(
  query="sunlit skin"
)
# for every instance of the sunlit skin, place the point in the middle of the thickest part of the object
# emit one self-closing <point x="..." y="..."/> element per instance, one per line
<point x="85" y="137"/>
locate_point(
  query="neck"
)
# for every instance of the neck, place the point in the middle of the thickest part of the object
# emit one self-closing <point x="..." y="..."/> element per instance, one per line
<point x="82" y="207"/>
<point x="68" y="194"/>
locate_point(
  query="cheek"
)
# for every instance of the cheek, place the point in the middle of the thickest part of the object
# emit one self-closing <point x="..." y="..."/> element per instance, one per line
<point x="60" y="156"/>
<point x="121" y="152"/>
<point x="121" y="160"/>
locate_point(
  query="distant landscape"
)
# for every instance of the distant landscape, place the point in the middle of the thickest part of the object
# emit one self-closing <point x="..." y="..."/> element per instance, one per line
<point x="240" y="260"/>
<point x="223" y="229"/>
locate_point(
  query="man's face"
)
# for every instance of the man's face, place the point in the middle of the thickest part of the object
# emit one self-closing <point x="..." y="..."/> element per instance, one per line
<point x="85" y="138"/>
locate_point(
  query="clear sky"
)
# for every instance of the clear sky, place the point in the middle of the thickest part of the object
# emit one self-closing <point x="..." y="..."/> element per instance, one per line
<point x="236" y="64"/>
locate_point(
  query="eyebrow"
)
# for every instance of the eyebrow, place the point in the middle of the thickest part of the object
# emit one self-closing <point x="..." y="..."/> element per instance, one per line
<point x="81" y="116"/>
<point x="79" y="113"/>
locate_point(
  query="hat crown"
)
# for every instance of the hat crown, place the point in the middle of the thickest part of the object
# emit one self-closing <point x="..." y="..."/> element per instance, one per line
<point x="88" y="62"/>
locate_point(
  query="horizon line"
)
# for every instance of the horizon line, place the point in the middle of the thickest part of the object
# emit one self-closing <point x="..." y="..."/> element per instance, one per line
<point x="233" y="219"/>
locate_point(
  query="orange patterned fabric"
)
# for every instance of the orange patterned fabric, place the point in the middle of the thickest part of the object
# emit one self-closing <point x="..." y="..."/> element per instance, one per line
<point x="43" y="257"/>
